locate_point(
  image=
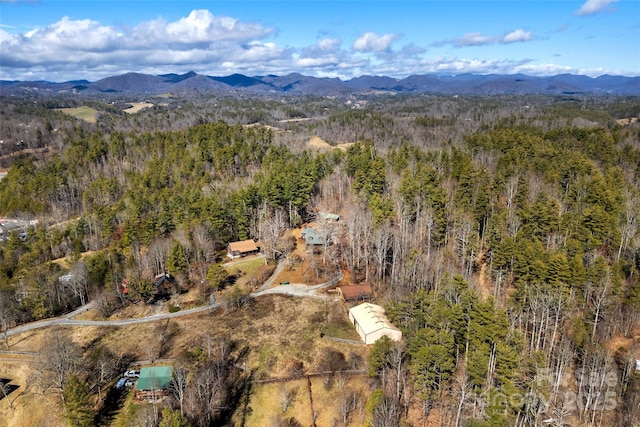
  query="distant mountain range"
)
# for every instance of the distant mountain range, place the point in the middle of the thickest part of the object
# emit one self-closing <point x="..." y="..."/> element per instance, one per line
<point x="298" y="84"/>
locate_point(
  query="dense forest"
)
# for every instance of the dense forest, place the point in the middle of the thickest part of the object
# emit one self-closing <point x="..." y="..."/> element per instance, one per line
<point x="500" y="233"/>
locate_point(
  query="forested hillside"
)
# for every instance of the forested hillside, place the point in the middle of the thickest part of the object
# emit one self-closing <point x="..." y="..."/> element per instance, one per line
<point x="501" y="234"/>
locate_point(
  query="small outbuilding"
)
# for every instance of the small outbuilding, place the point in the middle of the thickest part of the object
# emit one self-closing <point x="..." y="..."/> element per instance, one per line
<point x="330" y="217"/>
<point x="154" y="382"/>
<point x="242" y="248"/>
<point x="362" y="292"/>
<point x="372" y="324"/>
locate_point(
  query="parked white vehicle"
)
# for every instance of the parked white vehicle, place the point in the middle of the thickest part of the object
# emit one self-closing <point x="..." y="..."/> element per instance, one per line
<point x="132" y="374"/>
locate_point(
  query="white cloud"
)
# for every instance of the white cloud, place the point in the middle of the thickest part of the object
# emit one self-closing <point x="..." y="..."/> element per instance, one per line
<point x="5" y="37"/>
<point x="67" y="34"/>
<point x="257" y="51"/>
<point x="594" y="6"/>
<point x="328" y="44"/>
<point x="412" y="50"/>
<point x="195" y="39"/>
<point x="217" y="45"/>
<point x="479" y="39"/>
<point x="315" y="62"/>
<point x="518" y="35"/>
<point x="474" y="39"/>
<point x="546" y="69"/>
<point x="371" y="42"/>
<point x="200" y="27"/>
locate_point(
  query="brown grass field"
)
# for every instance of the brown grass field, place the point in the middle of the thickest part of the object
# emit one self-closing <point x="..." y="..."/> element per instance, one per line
<point x="317" y="142"/>
<point x="275" y="331"/>
<point x="87" y="114"/>
<point x="627" y="121"/>
<point x="326" y="398"/>
<point x="137" y="107"/>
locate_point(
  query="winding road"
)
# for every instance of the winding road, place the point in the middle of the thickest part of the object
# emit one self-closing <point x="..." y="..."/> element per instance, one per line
<point x="297" y="290"/>
<point x="68" y="319"/>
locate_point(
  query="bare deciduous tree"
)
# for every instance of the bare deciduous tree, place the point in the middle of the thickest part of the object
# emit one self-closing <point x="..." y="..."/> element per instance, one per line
<point x="350" y="401"/>
<point x="8" y="316"/>
<point x="287" y="397"/>
<point x="179" y="384"/>
<point x="59" y="358"/>
<point x="387" y="413"/>
<point x="272" y="223"/>
<point x="78" y="282"/>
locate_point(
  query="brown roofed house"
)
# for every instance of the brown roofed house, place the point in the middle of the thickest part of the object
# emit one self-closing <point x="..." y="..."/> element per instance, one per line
<point x="362" y="292"/>
<point x="243" y="248"/>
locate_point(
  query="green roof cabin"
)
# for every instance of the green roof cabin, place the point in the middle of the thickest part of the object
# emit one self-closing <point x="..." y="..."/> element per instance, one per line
<point x="154" y="382"/>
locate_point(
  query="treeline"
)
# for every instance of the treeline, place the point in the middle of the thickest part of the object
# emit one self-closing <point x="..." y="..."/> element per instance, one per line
<point x="543" y="226"/>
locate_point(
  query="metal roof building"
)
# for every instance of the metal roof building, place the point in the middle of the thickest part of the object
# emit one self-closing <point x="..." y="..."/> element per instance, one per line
<point x="312" y="237"/>
<point x="154" y="382"/>
<point x="372" y="323"/>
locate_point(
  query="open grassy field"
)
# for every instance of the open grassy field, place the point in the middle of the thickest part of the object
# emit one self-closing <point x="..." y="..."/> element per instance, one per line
<point x="317" y="142"/>
<point x="87" y="114"/>
<point x="275" y="333"/>
<point x="627" y="121"/>
<point x="138" y="106"/>
<point x="247" y="266"/>
<point x="328" y="394"/>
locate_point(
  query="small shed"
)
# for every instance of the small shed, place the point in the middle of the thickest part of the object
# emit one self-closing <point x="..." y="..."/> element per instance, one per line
<point x="330" y="217"/>
<point x="154" y="382"/>
<point x="242" y="248"/>
<point x="372" y="324"/>
<point x="312" y="237"/>
<point x="362" y="292"/>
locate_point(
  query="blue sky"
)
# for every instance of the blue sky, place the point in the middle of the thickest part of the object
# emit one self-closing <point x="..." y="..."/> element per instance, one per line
<point x="61" y="40"/>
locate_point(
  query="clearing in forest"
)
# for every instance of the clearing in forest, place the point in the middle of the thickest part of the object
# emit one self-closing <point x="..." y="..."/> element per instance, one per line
<point x="85" y="113"/>
<point x="138" y="106"/>
<point x="627" y="121"/>
<point x="317" y="142"/>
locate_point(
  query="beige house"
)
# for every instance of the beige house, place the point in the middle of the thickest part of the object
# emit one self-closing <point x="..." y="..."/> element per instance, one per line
<point x="372" y="323"/>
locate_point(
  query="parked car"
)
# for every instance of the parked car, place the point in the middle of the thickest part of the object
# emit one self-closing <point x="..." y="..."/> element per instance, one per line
<point x="121" y="382"/>
<point x="132" y="374"/>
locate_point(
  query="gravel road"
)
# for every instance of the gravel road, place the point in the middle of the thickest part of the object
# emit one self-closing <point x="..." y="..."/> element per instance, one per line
<point x="297" y="290"/>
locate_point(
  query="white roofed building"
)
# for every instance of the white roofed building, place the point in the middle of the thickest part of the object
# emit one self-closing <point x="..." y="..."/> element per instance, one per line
<point x="372" y="323"/>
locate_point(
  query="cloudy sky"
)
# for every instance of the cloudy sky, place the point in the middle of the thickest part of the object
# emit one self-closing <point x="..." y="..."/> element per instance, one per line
<point x="60" y="40"/>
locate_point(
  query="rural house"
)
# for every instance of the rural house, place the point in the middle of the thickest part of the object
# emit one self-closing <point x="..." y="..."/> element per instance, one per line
<point x="164" y="285"/>
<point x="372" y="324"/>
<point x="362" y="292"/>
<point x="153" y="383"/>
<point x="243" y="248"/>
<point x="312" y="237"/>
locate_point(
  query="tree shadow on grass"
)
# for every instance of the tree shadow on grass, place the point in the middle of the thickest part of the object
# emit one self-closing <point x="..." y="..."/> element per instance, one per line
<point x="113" y="402"/>
<point x="7" y="388"/>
